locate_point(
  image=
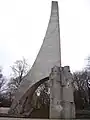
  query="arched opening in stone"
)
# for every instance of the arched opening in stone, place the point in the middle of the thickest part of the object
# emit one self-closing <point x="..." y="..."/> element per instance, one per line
<point x="35" y="102"/>
<point x="41" y="101"/>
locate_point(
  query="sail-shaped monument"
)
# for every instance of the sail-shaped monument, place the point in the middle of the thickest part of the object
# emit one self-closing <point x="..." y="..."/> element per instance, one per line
<point x="48" y="57"/>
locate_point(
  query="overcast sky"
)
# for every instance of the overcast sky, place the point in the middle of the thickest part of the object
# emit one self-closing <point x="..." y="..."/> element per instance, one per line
<point x="23" y="24"/>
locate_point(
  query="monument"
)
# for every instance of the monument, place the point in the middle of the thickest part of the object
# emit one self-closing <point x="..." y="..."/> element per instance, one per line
<point x="47" y="66"/>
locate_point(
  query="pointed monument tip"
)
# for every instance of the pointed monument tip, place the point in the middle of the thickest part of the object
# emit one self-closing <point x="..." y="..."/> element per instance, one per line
<point x="54" y="2"/>
<point x="54" y="5"/>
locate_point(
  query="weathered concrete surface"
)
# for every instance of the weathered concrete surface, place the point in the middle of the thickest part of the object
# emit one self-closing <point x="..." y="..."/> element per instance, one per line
<point x="61" y="93"/>
<point x="49" y="56"/>
<point x="55" y="93"/>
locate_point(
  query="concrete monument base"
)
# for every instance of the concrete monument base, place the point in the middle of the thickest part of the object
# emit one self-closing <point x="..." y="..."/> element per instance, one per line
<point x="61" y="93"/>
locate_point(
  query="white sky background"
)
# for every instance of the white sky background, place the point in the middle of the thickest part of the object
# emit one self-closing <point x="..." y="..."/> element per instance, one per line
<point x="23" y="24"/>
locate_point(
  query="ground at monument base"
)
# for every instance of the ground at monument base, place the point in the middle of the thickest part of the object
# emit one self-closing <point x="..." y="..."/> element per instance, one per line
<point x="2" y="118"/>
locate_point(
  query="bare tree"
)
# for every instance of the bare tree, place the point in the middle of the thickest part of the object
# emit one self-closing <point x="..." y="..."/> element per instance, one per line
<point x="20" y="69"/>
<point x="3" y="89"/>
<point x="2" y="79"/>
<point x="81" y="95"/>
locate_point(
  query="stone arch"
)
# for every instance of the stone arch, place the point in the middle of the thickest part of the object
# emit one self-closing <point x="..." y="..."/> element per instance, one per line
<point x="24" y="106"/>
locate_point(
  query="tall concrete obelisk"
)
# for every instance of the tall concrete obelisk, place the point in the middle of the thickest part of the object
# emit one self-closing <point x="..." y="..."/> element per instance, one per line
<point x="48" y="56"/>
